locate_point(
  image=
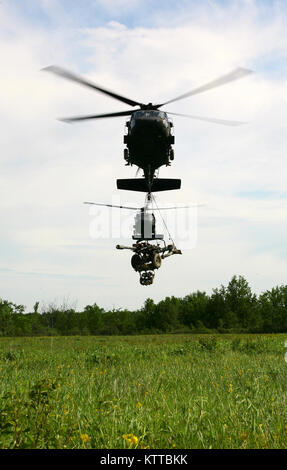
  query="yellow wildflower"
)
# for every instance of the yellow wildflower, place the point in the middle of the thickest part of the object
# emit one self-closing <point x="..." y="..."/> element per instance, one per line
<point x="138" y="405"/>
<point x="131" y="439"/>
<point x="85" y="437"/>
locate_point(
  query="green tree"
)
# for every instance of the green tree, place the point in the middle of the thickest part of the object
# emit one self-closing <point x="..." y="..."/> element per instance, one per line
<point x="273" y="309"/>
<point x="233" y="307"/>
<point x="242" y="302"/>
<point x="94" y="316"/>
<point x="167" y="314"/>
<point x="147" y="316"/>
<point x="193" y="309"/>
<point x="8" y="312"/>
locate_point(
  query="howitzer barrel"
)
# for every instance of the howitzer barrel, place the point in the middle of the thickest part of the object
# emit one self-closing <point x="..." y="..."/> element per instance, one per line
<point x="123" y="247"/>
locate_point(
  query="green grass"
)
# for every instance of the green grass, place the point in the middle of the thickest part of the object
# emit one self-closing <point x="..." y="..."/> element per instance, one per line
<point x="165" y="391"/>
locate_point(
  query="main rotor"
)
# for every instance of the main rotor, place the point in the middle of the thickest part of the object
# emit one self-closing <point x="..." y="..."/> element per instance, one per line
<point x="223" y="80"/>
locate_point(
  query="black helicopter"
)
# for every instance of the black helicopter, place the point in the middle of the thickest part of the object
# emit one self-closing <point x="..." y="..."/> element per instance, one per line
<point x="149" y="137"/>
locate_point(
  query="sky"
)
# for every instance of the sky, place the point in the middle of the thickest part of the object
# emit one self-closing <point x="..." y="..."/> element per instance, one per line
<point x="149" y="51"/>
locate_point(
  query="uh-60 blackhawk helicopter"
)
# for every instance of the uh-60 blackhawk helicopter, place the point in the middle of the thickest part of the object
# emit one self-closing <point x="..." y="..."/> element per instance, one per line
<point x="149" y="137"/>
<point x="149" y="141"/>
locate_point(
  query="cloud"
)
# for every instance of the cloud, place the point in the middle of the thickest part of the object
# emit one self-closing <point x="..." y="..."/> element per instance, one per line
<point x="114" y="6"/>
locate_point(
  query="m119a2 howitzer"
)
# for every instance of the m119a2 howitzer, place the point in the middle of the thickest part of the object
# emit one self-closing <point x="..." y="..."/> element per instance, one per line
<point x="149" y="248"/>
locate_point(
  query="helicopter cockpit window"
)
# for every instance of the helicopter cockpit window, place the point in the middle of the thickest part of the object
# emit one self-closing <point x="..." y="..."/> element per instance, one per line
<point x="136" y="115"/>
<point x="149" y="114"/>
<point x="139" y="114"/>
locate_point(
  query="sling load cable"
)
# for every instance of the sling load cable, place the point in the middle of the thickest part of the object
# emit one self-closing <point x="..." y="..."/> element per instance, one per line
<point x="170" y="237"/>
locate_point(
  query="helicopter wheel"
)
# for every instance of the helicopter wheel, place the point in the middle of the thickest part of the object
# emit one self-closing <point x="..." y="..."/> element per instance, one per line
<point x="171" y="154"/>
<point x="126" y="155"/>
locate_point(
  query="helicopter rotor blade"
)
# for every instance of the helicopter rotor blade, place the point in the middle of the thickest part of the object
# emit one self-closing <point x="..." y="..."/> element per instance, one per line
<point x="224" y="122"/>
<point x="76" y="78"/>
<point x="112" y="205"/>
<point x="96" y="116"/>
<point x="234" y="75"/>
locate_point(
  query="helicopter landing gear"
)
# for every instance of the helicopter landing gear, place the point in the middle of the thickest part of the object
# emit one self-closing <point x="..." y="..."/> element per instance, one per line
<point x="146" y="278"/>
<point x="126" y="156"/>
<point x="169" y="156"/>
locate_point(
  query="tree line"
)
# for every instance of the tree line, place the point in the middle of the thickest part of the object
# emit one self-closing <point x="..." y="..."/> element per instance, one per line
<point x="228" y="309"/>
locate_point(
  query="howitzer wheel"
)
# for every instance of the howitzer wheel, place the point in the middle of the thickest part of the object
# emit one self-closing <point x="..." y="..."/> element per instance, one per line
<point x="156" y="261"/>
<point x="136" y="262"/>
<point x="146" y="278"/>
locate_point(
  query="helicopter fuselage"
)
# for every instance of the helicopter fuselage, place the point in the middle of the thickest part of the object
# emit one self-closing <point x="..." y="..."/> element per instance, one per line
<point x="149" y="140"/>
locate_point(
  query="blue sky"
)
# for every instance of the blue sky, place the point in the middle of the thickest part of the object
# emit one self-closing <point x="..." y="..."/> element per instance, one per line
<point x="132" y="13"/>
<point x="74" y="17"/>
<point x="148" y="50"/>
<point x="94" y="13"/>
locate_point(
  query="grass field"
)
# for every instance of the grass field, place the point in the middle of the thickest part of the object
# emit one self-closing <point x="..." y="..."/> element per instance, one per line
<point x="148" y="392"/>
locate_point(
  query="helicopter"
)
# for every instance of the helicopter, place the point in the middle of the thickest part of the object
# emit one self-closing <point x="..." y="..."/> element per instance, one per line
<point x="149" y="138"/>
